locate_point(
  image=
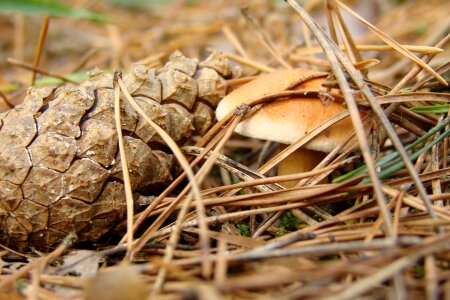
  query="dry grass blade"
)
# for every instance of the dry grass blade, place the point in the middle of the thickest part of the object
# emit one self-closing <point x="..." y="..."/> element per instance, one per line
<point x="246" y="61"/>
<point x="169" y="253"/>
<point x="66" y="243"/>
<point x="261" y="180"/>
<point x="146" y="236"/>
<point x="200" y="177"/>
<point x="234" y="40"/>
<point x="412" y="48"/>
<point x="163" y="195"/>
<point x="214" y="131"/>
<point x="27" y="66"/>
<point x="265" y="39"/>
<point x="291" y="148"/>
<point x="40" y="46"/>
<point x="412" y="97"/>
<point x="6" y="100"/>
<point x="183" y="211"/>
<point x="239" y="81"/>
<point x="441" y="70"/>
<point x="417" y="203"/>
<point x="220" y="273"/>
<point x="413" y="72"/>
<point x="235" y="168"/>
<point x="278" y="197"/>
<point x="349" y="43"/>
<point x="256" y="254"/>
<point x="431" y="245"/>
<point x="370" y="219"/>
<point x="335" y="54"/>
<point x="124" y="164"/>
<point x="391" y="42"/>
<point x="183" y="162"/>
<point x="431" y="277"/>
<point x="331" y="54"/>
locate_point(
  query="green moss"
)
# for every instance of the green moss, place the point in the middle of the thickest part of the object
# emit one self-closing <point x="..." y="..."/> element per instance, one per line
<point x="243" y="229"/>
<point x="281" y="231"/>
<point x="330" y="257"/>
<point x="317" y="218"/>
<point x="398" y="2"/>
<point x="421" y="29"/>
<point x="289" y="221"/>
<point x="20" y="285"/>
<point x="420" y="270"/>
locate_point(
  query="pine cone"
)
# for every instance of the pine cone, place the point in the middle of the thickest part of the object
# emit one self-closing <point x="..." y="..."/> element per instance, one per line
<point x="60" y="169"/>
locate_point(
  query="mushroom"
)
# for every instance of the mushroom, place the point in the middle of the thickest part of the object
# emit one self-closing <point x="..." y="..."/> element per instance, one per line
<point x="290" y="119"/>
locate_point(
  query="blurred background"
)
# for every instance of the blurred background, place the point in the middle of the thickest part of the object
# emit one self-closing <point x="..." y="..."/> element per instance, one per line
<point x="111" y="34"/>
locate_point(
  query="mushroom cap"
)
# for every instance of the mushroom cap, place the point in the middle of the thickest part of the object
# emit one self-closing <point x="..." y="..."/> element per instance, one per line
<point x="286" y="121"/>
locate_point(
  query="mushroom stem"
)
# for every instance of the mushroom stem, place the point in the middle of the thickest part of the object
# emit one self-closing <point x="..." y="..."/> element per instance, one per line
<point x="302" y="160"/>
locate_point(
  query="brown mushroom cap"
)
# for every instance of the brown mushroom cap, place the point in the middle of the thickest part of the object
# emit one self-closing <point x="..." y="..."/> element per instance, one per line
<point x="287" y="121"/>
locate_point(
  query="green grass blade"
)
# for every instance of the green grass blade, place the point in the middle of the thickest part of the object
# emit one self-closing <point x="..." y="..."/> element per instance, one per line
<point x="51" y="8"/>
<point x="388" y="171"/>
<point x="137" y="4"/>
<point x="50" y="81"/>
<point x="390" y="157"/>
<point x="432" y="109"/>
<point x="77" y="77"/>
